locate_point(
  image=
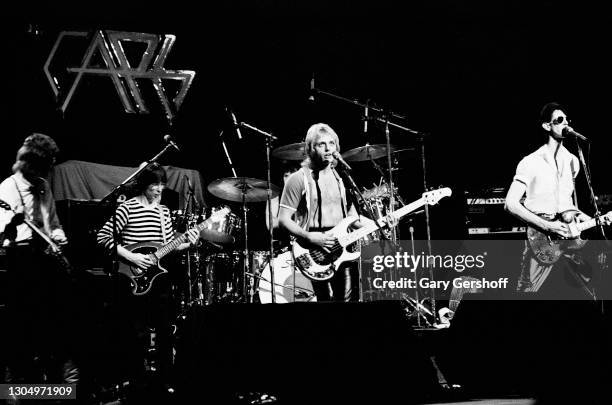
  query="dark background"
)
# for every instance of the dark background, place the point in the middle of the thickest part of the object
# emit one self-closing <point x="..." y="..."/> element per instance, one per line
<point x="473" y="75"/>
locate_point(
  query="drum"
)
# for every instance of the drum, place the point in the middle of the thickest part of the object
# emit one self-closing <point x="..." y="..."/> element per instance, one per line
<point x="290" y="284"/>
<point x="224" y="228"/>
<point x="221" y="275"/>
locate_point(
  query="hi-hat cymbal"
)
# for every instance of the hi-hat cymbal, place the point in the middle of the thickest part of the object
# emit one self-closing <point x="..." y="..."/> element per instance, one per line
<point x="235" y="188"/>
<point x="293" y="151"/>
<point x="368" y="152"/>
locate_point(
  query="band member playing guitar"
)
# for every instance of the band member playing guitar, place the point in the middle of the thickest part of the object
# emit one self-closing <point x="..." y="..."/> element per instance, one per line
<point x="40" y="300"/>
<point x="138" y="220"/>
<point x="317" y="197"/>
<point x="546" y="179"/>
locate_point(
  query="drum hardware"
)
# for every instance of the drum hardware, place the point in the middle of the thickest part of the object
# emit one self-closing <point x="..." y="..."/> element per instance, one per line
<point x="245" y="190"/>
<point x="223" y="229"/>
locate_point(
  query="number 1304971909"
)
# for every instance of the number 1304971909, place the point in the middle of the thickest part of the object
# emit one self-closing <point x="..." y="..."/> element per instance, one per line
<point x="41" y="391"/>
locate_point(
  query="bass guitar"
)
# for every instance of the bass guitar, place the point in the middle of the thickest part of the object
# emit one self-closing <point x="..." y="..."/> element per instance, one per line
<point x="319" y="264"/>
<point x="51" y="248"/>
<point x="142" y="279"/>
<point x="548" y="249"/>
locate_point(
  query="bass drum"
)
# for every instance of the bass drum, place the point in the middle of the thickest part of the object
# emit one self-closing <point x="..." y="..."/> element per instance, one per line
<point x="290" y="284"/>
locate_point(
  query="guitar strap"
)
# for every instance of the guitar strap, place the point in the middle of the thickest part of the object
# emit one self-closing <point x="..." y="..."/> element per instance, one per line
<point x="574" y="194"/>
<point x="37" y="217"/>
<point x="341" y="191"/>
<point x="162" y="223"/>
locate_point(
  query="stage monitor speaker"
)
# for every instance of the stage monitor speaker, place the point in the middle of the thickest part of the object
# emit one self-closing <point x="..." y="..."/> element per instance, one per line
<point x="303" y="353"/>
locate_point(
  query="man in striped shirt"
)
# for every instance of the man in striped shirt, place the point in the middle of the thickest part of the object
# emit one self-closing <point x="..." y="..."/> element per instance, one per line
<point x="146" y="318"/>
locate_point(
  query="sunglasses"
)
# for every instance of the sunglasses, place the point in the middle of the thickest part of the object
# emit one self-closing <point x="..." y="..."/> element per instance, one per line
<point x="559" y="120"/>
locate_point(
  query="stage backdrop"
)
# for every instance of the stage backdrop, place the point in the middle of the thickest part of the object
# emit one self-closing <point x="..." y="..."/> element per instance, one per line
<point x="78" y="180"/>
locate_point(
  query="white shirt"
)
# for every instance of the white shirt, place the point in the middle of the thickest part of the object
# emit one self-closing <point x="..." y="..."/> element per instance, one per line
<point x="550" y="184"/>
<point x="16" y="190"/>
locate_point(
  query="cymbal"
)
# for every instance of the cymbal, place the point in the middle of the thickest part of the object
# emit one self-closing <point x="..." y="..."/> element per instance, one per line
<point x="293" y="151"/>
<point x="368" y="152"/>
<point x="234" y="188"/>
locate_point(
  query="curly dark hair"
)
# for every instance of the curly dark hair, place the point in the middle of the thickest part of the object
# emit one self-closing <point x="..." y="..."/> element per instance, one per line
<point x="36" y="155"/>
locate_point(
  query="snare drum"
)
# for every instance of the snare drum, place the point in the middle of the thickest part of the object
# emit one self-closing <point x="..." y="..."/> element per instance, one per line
<point x="221" y="229"/>
<point x="290" y="284"/>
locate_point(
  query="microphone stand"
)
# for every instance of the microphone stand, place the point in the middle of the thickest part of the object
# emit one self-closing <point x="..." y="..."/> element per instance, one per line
<point x="421" y="136"/>
<point x="587" y="175"/>
<point x="367" y="204"/>
<point x="269" y="139"/>
<point x="190" y="206"/>
<point x="229" y="159"/>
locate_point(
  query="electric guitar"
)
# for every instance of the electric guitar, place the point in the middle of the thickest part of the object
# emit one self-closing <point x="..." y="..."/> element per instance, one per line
<point x="319" y="264"/>
<point x="548" y="249"/>
<point x="142" y="279"/>
<point x="51" y="248"/>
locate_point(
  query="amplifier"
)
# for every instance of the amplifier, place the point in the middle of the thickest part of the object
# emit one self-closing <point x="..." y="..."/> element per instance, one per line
<point x="485" y="214"/>
<point x="81" y="220"/>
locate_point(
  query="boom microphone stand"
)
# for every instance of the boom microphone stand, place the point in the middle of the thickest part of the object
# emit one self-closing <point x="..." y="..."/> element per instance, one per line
<point x="268" y="139"/>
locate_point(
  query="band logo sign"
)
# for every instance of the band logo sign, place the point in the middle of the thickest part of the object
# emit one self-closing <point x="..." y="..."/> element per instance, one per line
<point x="106" y="56"/>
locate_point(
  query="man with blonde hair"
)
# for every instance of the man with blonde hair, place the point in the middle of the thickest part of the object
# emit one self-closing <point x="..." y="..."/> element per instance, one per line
<point x="317" y="196"/>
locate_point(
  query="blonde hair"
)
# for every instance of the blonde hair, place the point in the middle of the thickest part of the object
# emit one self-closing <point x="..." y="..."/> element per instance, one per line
<point x="312" y="136"/>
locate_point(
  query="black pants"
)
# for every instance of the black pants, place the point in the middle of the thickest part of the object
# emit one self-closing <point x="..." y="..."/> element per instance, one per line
<point x="41" y="332"/>
<point x="343" y="286"/>
<point x="143" y="328"/>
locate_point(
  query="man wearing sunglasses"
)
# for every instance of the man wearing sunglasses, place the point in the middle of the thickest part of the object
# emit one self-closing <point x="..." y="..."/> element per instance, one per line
<point x="546" y="179"/>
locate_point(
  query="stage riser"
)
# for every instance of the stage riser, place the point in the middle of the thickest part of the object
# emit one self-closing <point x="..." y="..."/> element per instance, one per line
<point x="304" y="351"/>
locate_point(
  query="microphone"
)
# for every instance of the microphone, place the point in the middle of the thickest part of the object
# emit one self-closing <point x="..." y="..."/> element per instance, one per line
<point x="312" y="89"/>
<point x="170" y="142"/>
<point x="342" y="162"/>
<point x="235" y="122"/>
<point x="189" y="185"/>
<point x="569" y="131"/>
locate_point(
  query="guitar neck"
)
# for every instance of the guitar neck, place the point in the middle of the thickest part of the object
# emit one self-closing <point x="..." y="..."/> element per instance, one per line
<point x="583" y="226"/>
<point x="372" y="227"/>
<point x="41" y="234"/>
<point x="176" y="242"/>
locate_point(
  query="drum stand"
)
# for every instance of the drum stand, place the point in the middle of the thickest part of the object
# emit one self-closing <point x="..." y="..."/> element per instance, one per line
<point x="269" y="138"/>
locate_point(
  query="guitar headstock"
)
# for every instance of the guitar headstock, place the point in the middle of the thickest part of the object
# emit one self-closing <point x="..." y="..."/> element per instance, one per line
<point x="432" y="197"/>
<point x="219" y="214"/>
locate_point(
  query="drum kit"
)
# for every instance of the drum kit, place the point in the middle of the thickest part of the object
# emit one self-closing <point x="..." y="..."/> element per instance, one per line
<point x="218" y="271"/>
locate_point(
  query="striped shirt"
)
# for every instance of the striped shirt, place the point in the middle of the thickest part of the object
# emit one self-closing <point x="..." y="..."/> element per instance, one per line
<point x="137" y="223"/>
